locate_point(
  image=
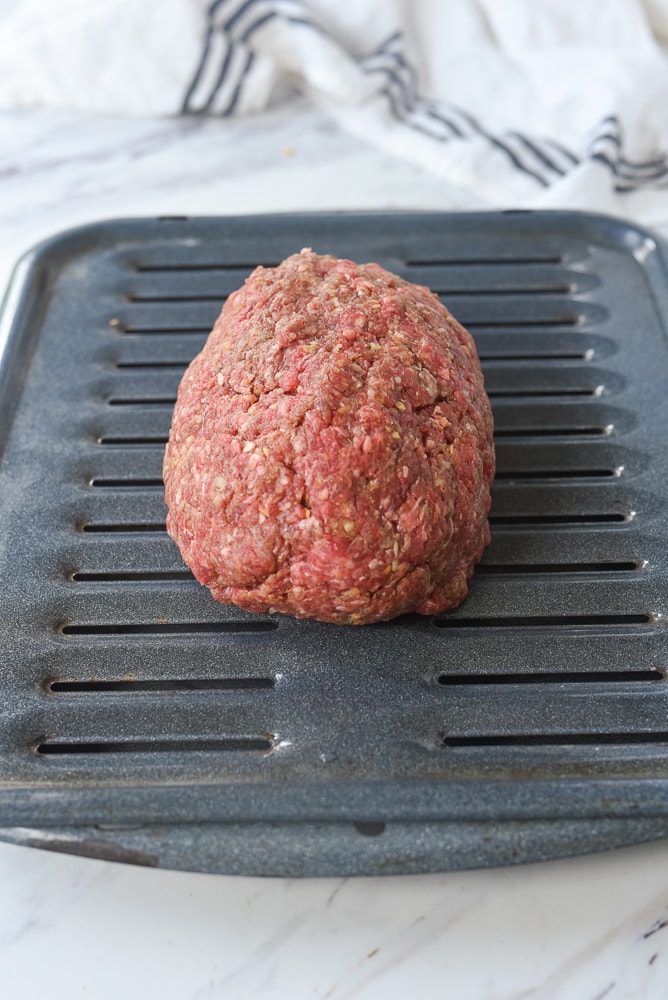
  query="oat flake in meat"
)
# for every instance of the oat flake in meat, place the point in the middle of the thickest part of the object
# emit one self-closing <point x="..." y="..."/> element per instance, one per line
<point x="331" y="451"/>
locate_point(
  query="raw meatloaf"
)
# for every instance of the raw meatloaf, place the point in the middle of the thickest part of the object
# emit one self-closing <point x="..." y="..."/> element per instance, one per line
<point x="331" y="451"/>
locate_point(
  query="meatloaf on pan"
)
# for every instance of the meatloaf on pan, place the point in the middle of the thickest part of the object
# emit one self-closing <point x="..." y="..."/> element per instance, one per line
<point x="331" y="452"/>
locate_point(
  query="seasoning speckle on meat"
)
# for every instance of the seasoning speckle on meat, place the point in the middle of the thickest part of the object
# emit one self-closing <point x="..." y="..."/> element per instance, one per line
<point x="331" y="450"/>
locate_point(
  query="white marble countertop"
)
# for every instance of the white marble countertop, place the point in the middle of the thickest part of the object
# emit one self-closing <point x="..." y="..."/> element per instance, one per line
<point x="581" y="929"/>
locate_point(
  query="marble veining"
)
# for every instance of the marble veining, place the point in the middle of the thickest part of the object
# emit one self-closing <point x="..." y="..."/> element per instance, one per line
<point x="581" y="929"/>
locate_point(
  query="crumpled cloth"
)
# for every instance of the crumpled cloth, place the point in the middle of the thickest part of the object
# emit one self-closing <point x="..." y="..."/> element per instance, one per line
<point x="520" y="103"/>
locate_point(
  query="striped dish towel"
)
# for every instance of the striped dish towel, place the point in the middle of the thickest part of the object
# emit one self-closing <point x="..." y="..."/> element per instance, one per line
<point x="534" y="103"/>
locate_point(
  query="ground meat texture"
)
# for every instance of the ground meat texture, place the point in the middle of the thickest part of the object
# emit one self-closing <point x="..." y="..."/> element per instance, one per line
<point x="331" y="452"/>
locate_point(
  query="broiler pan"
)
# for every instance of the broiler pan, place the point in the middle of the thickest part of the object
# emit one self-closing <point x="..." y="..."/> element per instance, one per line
<point x="141" y="721"/>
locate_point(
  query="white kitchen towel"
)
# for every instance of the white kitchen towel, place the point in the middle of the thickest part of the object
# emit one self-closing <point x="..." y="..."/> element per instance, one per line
<point x="530" y="103"/>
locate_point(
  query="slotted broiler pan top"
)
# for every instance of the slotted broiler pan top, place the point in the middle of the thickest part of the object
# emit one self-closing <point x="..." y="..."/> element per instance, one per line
<point x="142" y="721"/>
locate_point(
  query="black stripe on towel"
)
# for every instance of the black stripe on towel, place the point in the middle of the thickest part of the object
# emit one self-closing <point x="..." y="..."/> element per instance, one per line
<point x="220" y="81"/>
<point x="539" y="153"/>
<point x="567" y="153"/>
<point x="502" y="146"/>
<point x="606" y="146"/>
<point x="539" y="159"/>
<point x="410" y="107"/>
<point x="185" y="106"/>
<point x="631" y="182"/>
<point x="229" y="110"/>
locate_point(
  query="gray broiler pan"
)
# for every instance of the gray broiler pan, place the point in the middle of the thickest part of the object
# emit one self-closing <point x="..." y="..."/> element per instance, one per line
<point x="141" y="721"/>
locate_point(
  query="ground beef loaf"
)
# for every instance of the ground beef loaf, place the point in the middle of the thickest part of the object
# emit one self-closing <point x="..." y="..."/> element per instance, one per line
<point x="331" y="450"/>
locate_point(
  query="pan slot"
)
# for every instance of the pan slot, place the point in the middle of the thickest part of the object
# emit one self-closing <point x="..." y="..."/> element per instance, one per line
<point x="245" y="266"/>
<point x="63" y="747"/>
<point x="179" y="316"/>
<point x="489" y="359"/>
<point x="546" y="357"/>
<point x="150" y="330"/>
<point x="539" y="475"/>
<point x="584" y="414"/>
<point x="242" y="266"/>
<point x="548" y="323"/>
<point x="149" y="527"/>
<point x="530" y="356"/>
<point x="141" y="401"/>
<point x="530" y="475"/>
<point x="138" y="576"/>
<point x="559" y="288"/>
<point x="168" y="685"/>
<point x="555" y="739"/>
<point x="550" y="377"/>
<point x="169" y="299"/>
<point x="100" y="482"/>
<point x="508" y="312"/>
<point x="560" y="432"/>
<point x="148" y="366"/>
<point x="517" y="569"/>
<point x="165" y="628"/>
<point x="651" y="676"/>
<point x="452" y="298"/>
<point x="545" y="393"/>
<point x="512" y="393"/>
<point x="430" y="260"/>
<point x="501" y="278"/>
<point x="497" y="340"/>
<point x="550" y="520"/>
<point x="516" y="432"/>
<point x="157" y="440"/>
<point x="144" y="365"/>
<point x="543" y="621"/>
